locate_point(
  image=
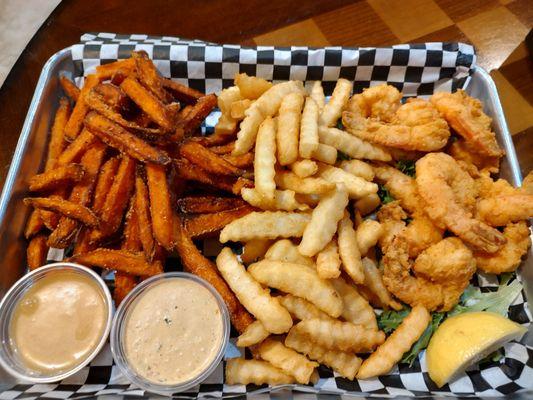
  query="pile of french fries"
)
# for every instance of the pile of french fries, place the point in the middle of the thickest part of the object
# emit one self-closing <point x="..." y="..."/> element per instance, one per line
<point x="129" y="179"/>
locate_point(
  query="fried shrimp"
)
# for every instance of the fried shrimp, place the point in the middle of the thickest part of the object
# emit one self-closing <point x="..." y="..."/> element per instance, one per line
<point x="401" y="186"/>
<point x="508" y="258"/>
<point x="501" y="210"/>
<point x="472" y="162"/>
<point x="449" y="194"/>
<point x="421" y="233"/>
<point x="391" y="216"/>
<point x="465" y="115"/>
<point x="378" y="102"/>
<point x="416" y="125"/>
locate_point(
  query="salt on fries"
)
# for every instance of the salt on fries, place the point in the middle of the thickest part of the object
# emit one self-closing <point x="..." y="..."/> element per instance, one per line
<point x="128" y="179"/>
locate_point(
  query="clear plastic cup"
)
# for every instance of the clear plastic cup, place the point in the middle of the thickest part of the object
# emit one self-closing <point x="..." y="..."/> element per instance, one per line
<point x="118" y="332"/>
<point x="8" y="357"/>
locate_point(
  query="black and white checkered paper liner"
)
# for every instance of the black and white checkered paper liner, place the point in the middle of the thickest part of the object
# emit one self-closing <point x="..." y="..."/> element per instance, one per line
<point x="415" y="69"/>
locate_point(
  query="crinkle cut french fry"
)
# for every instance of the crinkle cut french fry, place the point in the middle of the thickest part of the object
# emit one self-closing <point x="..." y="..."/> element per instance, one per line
<point x="345" y="364"/>
<point x="323" y="225"/>
<point x="251" y="87"/>
<point x="208" y="204"/>
<point x="192" y="121"/>
<point x="255" y="333"/>
<point x="207" y="160"/>
<point x="69" y="88"/>
<point x="119" y="260"/>
<point x="188" y="171"/>
<point x="209" y="225"/>
<point x="75" y="122"/>
<point x="254" y="249"/>
<point x="284" y="200"/>
<point x="226" y="124"/>
<point x="243" y="372"/>
<point x="352" y="145"/>
<point x="301" y="309"/>
<point x="326" y="154"/>
<point x="104" y="182"/>
<point x="288" y="132"/>
<point x="160" y="208"/>
<point x="243" y="161"/>
<point x="286" y="251"/>
<point x="194" y="262"/>
<point x="53" y="178"/>
<point x="358" y="168"/>
<point x="149" y="76"/>
<point x="344" y="336"/>
<point x="348" y="250"/>
<point x="374" y="282"/>
<point x="64" y="207"/>
<point x="368" y="234"/>
<point x="356" y="309"/>
<point x="286" y="359"/>
<point x="309" y="129"/>
<point x="66" y="229"/>
<point x="317" y="94"/>
<point x="304" y="168"/>
<point x="37" y="251"/>
<point x="116" y="136"/>
<point x="265" y="159"/>
<point x="356" y="186"/>
<point x="75" y="149"/>
<point x="33" y="225"/>
<point x="298" y="280"/>
<point x="253" y="297"/>
<point x="116" y="201"/>
<point x="106" y="71"/>
<point x="333" y="109"/>
<point x="399" y="342"/>
<point x="265" y="225"/>
<point x="265" y="106"/>
<point x="147" y="102"/>
<point x="328" y="262"/>
<point x="181" y="92"/>
<point x="238" y="108"/>
<point x="290" y="181"/>
<point x="57" y="142"/>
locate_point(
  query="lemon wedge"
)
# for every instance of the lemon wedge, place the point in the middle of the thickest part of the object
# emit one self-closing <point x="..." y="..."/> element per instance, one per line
<point x="466" y="338"/>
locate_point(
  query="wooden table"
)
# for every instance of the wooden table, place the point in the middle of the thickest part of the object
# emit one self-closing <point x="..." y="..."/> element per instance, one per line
<point x="496" y="27"/>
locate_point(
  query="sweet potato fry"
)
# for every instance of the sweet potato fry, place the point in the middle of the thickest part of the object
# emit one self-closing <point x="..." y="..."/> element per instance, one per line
<point x="193" y="119"/>
<point x="64" y="207"/>
<point x="132" y="239"/>
<point x="241" y="183"/>
<point x="120" y="74"/>
<point x="142" y="205"/>
<point x="75" y="122"/>
<point x="116" y="200"/>
<point x="69" y="88"/>
<point x="36" y="252"/>
<point x="215" y="139"/>
<point x="106" y="71"/>
<point x="147" y="102"/>
<point x="181" y="92"/>
<point x="124" y="283"/>
<point x="104" y="183"/>
<point x="53" y="178"/>
<point x="208" y="204"/>
<point x="209" y="225"/>
<point x="207" y="160"/>
<point x="66" y="229"/>
<point x="186" y="170"/>
<point x="223" y="149"/>
<point x="149" y="76"/>
<point x="242" y="161"/>
<point x="33" y="225"/>
<point x="116" y="136"/>
<point x="194" y="262"/>
<point x="83" y="243"/>
<point x="160" y="209"/>
<point x="57" y="143"/>
<point x="112" y="96"/>
<point x="118" y="260"/>
<point x="79" y="146"/>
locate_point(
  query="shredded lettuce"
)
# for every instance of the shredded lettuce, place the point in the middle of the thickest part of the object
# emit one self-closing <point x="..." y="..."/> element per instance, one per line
<point x="407" y="167"/>
<point x="423" y="341"/>
<point x="389" y="320"/>
<point x="384" y="195"/>
<point x="342" y="156"/>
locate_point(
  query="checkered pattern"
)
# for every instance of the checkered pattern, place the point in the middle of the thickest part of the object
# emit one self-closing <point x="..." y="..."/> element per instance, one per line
<point x="415" y="69"/>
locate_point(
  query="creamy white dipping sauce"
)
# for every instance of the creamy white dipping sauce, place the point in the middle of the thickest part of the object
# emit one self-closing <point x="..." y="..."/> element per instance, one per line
<point x="173" y="331"/>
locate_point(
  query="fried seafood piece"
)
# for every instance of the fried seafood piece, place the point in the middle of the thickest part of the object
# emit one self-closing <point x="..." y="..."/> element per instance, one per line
<point x="449" y="263"/>
<point x="378" y="102"/>
<point x="527" y="183"/>
<point x="508" y="258"/>
<point x="391" y="216"/>
<point x="465" y="115"/>
<point x="401" y="186"/>
<point x="421" y="233"/>
<point x="389" y="353"/>
<point x="416" y="125"/>
<point x="502" y="210"/>
<point x="486" y="187"/>
<point x="449" y="194"/>
<point x="471" y="161"/>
